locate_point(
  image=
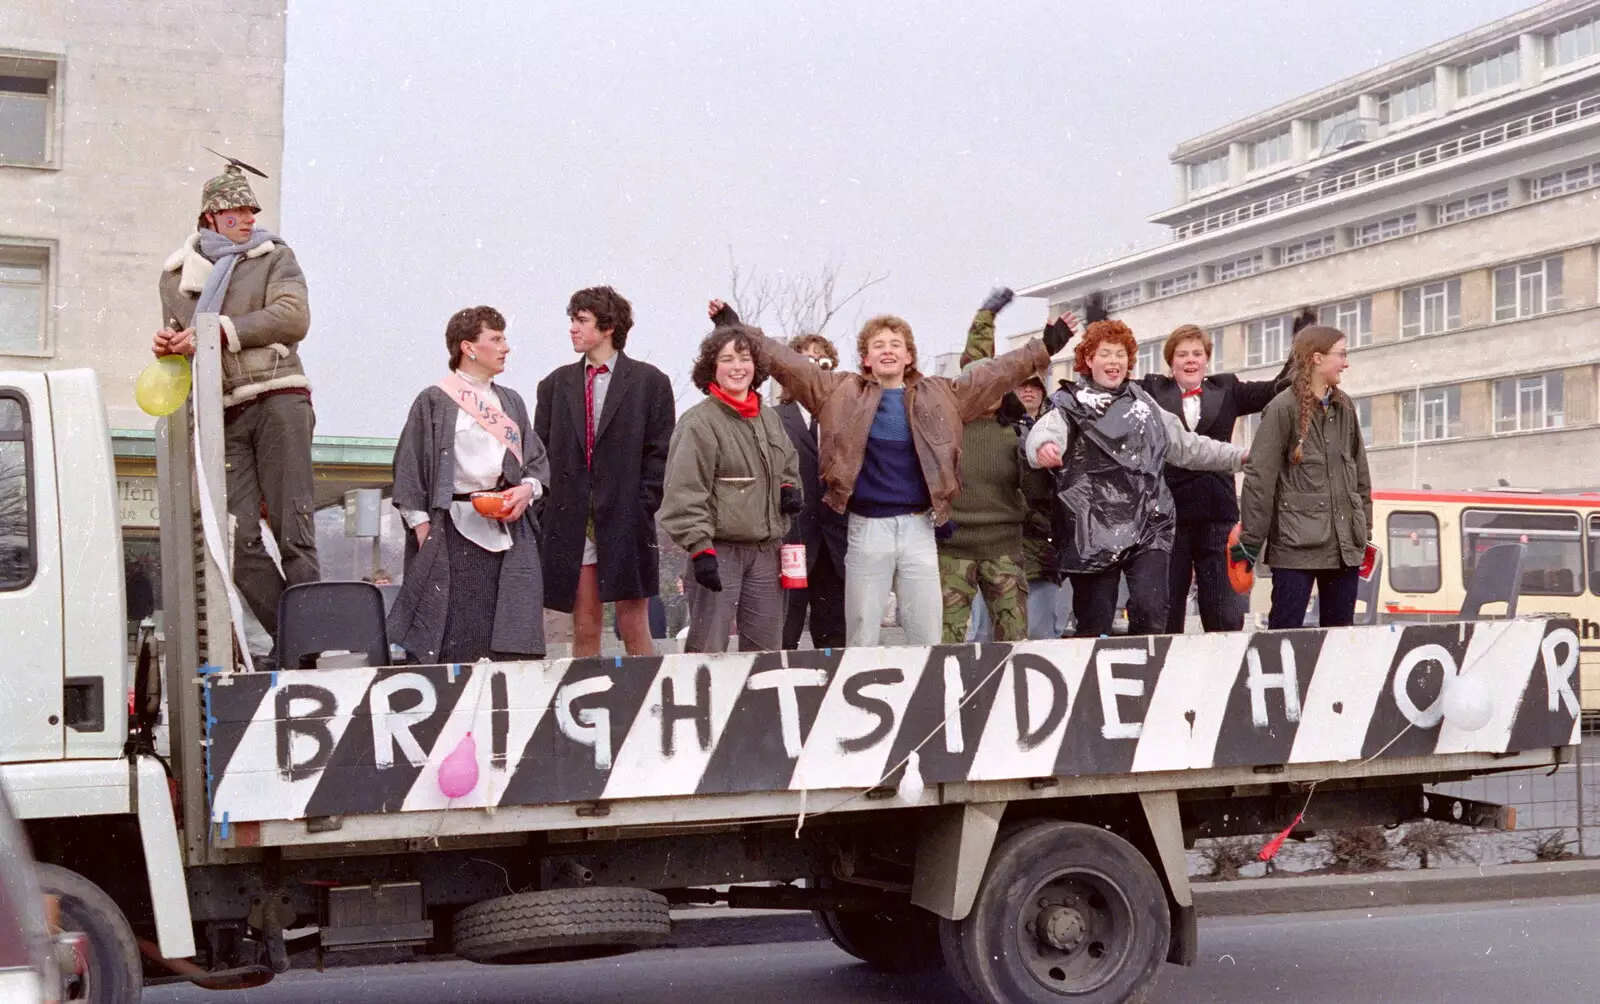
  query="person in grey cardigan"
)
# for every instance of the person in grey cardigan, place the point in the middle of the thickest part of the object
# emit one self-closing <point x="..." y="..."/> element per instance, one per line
<point x="473" y="587"/>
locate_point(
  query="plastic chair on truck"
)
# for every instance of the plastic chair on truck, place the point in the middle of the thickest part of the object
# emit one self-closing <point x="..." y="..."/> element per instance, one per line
<point x="1496" y="578"/>
<point x="318" y="617"/>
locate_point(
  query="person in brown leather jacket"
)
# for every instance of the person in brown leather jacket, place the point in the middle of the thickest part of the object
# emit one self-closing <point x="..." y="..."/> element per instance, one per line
<point x="890" y="448"/>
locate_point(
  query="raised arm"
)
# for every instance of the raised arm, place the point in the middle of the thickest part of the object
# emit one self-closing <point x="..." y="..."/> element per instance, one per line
<point x="980" y="335"/>
<point x="1197" y="452"/>
<point x="1253" y="396"/>
<point x="805" y="381"/>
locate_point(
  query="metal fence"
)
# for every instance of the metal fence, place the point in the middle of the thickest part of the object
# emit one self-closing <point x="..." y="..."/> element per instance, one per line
<point x="1555" y="808"/>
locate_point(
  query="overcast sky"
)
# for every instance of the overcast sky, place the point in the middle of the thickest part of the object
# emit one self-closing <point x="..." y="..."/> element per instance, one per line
<point x="440" y="155"/>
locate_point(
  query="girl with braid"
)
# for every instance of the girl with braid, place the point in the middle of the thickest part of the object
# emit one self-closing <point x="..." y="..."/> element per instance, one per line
<point x="1307" y="494"/>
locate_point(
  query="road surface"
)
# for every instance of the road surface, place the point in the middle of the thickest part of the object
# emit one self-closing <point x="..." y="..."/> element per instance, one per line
<point x="1539" y="951"/>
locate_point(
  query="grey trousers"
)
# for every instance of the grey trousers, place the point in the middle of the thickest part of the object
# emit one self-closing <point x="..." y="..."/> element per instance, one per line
<point x="751" y="598"/>
<point x="268" y="459"/>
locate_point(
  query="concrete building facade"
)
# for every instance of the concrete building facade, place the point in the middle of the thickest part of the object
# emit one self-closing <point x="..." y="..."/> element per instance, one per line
<point x="1444" y="211"/>
<point x="105" y="110"/>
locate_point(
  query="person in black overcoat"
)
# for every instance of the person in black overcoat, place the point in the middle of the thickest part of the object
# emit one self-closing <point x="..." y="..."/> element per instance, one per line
<point x="823" y="531"/>
<point x="606" y="420"/>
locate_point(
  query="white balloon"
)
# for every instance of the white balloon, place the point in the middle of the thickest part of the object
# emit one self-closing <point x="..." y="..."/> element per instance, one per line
<point x="1467" y="704"/>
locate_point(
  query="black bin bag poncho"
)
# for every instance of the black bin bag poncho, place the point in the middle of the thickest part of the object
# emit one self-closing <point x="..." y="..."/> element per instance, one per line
<point x="1111" y="500"/>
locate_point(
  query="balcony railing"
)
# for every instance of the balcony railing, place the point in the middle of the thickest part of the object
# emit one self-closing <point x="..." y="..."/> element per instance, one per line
<point x="1484" y="139"/>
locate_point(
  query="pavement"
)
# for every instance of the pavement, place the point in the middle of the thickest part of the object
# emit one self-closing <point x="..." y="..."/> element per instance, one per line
<point x="1537" y="951"/>
<point x="718" y="926"/>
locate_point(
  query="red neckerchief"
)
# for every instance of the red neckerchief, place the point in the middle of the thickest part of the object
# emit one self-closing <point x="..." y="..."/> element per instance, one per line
<point x="750" y="407"/>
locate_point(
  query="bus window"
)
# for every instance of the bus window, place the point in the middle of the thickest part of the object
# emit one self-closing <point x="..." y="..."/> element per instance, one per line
<point x="1594" y="555"/>
<point x="1414" y="552"/>
<point x="1553" y="565"/>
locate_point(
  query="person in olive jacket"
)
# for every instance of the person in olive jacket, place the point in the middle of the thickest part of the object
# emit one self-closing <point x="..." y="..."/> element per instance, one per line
<point x="732" y="482"/>
<point x="1307" y="492"/>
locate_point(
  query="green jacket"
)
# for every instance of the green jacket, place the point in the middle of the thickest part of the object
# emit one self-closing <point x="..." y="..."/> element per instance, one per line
<point x="723" y="477"/>
<point x="1316" y="514"/>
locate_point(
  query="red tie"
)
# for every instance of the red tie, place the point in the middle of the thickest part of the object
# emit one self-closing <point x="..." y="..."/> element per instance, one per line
<point x="1192" y="393"/>
<point x="588" y="411"/>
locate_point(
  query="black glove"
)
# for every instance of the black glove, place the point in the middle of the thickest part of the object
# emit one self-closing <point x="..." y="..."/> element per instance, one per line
<point x="999" y="298"/>
<point x="1094" y="309"/>
<point x="1011" y="412"/>
<point x="945" y="530"/>
<point x="790" y="500"/>
<point x="705" y="571"/>
<point x="1247" y="553"/>
<point x="1056" y="335"/>
<point x="727" y="317"/>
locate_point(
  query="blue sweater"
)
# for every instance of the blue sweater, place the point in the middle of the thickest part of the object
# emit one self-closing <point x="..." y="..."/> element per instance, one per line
<point x="890" y="482"/>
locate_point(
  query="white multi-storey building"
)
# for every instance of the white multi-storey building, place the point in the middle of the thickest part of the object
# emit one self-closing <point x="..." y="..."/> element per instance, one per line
<point x="1443" y="210"/>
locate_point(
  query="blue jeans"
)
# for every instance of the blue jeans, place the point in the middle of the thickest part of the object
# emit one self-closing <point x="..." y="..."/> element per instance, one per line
<point x="1291" y="594"/>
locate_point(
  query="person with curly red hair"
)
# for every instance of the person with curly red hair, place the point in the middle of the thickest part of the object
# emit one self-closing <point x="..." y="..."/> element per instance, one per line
<point x="1110" y="443"/>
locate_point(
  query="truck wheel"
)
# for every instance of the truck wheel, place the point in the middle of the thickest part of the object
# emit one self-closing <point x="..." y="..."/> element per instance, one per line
<point x="116" y="974"/>
<point x="1065" y="911"/>
<point x="561" y="925"/>
<point x="902" y="939"/>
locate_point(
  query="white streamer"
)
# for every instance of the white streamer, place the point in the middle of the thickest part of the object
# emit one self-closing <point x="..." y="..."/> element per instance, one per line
<point x="213" y="537"/>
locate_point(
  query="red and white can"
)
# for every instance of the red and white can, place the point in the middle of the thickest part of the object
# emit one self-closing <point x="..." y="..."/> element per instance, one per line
<point x="792" y="566"/>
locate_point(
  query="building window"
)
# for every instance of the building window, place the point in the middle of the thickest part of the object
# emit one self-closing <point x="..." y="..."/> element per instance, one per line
<point x="1573" y="179"/>
<point x="23" y="275"/>
<point x="1353" y="317"/>
<point x="1364" y="416"/>
<point x="1266" y="341"/>
<point x="16" y="495"/>
<point x="1430" y="309"/>
<point x="1274" y="149"/>
<point x="1208" y="173"/>
<point x="1311" y="247"/>
<point x="1487" y="73"/>
<point x="1474" y="205"/>
<point x="1594" y="554"/>
<point x="1123" y="298"/>
<point x="1174" y="284"/>
<point x="1530" y="288"/>
<point x="1572" y="43"/>
<point x="1440" y="416"/>
<point x="1149" y="359"/>
<point x="1216" y="349"/>
<point x="1250" y="424"/>
<point x="1522" y="404"/>
<point x="1383" y="230"/>
<point x="1239" y="268"/>
<point x="1414" y="552"/>
<point x="27" y="111"/>
<point x="1408" y="102"/>
<point x="1333" y="130"/>
<point x="1553" y="562"/>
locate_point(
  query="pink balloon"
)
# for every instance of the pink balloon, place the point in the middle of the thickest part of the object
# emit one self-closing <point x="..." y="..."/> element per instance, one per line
<point x="458" y="775"/>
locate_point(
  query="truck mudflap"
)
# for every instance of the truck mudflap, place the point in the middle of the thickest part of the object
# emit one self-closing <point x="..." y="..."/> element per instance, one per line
<point x="341" y="742"/>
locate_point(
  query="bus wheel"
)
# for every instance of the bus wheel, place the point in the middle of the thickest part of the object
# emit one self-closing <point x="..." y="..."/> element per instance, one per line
<point x="115" y="974"/>
<point x="1065" y="912"/>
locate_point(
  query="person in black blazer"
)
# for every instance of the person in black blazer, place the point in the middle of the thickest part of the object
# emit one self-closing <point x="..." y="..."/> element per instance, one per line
<point x="819" y="528"/>
<point x="606" y="421"/>
<point x="1207" y="504"/>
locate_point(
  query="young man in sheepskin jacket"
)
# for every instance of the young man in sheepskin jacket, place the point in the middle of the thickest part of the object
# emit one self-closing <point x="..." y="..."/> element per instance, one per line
<point x="231" y="267"/>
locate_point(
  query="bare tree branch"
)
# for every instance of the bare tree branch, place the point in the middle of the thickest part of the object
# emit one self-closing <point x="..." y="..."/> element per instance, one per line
<point x="801" y="303"/>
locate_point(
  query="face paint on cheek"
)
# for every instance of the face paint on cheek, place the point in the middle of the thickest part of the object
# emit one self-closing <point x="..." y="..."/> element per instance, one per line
<point x="230" y="222"/>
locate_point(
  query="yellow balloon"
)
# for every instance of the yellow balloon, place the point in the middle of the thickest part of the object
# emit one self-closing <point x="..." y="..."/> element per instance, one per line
<point x="162" y="387"/>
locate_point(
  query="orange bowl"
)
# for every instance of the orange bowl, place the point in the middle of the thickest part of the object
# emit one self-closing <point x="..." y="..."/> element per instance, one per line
<point x="1241" y="576"/>
<point x="490" y="504"/>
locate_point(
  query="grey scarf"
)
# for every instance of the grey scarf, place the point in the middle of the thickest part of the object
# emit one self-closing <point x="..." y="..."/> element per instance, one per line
<point x="225" y="254"/>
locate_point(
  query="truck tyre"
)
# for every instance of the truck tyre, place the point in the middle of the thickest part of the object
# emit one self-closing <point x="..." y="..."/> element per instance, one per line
<point x="1064" y="912"/>
<point x="116" y="973"/>
<point x="901" y="939"/>
<point x="561" y="925"/>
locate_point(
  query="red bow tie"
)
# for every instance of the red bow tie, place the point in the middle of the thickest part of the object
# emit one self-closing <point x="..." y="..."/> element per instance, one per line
<point x="1192" y="393"/>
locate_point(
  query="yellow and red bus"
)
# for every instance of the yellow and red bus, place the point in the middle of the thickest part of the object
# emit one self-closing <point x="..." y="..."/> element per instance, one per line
<point x="1431" y="539"/>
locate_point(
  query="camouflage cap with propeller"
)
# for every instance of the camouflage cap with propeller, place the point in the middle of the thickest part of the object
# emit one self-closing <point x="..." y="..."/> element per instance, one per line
<point x="230" y="189"/>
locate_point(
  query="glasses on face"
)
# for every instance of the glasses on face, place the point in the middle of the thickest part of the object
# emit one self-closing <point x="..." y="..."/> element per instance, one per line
<point x="1342" y="353"/>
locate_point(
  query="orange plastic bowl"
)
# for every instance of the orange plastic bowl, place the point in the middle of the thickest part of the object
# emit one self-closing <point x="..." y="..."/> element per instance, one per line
<point x="1241" y="576"/>
<point x="490" y="504"/>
